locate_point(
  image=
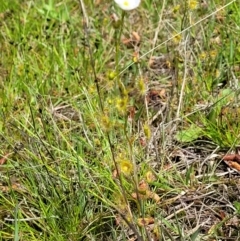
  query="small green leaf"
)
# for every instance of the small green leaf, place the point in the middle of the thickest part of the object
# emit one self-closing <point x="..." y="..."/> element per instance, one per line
<point x="237" y="206"/>
<point x="190" y="134"/>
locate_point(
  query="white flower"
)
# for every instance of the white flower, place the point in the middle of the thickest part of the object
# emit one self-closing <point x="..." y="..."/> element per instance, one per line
<point x="128" y="4"/>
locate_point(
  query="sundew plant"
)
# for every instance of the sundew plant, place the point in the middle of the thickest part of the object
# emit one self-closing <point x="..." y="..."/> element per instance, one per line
<point x="119" y="120"/>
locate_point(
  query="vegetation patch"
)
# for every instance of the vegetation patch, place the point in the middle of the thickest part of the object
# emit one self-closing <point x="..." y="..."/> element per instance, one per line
<point x="119" y="120"/>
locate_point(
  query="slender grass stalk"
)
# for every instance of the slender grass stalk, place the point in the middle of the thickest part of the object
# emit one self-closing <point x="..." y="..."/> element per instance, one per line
<point x="16" y="223"/>
<point x="117" y="38"/>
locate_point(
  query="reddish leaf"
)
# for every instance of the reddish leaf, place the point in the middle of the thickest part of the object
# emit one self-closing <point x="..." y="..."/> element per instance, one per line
<point x="233" y="161"/>
<point x="4" y="158"/>
<point x="134" y="40"/>
<point x="131" y="112"/>
<point x="142" y="141"/>
<point x="145" y="221"/>
<point x="222" y="214"/>
<point x="232" y="157"/>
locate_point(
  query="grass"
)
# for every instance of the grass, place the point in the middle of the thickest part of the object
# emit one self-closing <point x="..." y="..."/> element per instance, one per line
<point x="102" y="140"/>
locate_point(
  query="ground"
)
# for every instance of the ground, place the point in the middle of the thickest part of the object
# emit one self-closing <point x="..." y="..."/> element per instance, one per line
<point x="119" y="125"/>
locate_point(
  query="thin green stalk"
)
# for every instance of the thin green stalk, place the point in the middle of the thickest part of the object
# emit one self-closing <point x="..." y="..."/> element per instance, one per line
<point x="118" y="34"/>
<point x="16" y="224"/>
